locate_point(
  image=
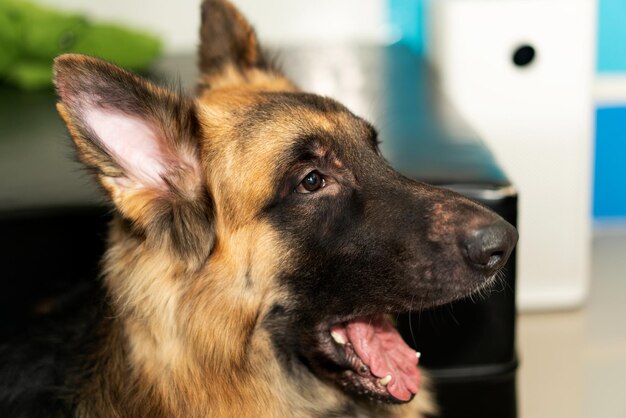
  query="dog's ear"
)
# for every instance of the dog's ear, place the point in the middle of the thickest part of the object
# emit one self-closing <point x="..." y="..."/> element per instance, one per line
<point x="226" y="38"/>
<point x="142" y="141"/>
<point x="230" y="52"/>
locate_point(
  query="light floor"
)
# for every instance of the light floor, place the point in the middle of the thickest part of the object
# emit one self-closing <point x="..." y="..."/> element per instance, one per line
<point x="574" y="363"/>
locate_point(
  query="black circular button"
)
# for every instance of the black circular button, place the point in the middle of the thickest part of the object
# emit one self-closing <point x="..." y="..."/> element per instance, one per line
<point x="524" y="55"/>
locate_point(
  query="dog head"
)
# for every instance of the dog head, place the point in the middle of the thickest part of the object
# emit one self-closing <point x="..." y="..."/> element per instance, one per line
<point x="259" y="212"/>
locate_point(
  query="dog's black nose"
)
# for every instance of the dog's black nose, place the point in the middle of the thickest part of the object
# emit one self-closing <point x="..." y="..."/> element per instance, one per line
<point x="488" y="247"/>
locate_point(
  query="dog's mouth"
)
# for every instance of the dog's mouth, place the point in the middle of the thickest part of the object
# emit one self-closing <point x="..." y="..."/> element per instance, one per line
<point x="367" y="357"/>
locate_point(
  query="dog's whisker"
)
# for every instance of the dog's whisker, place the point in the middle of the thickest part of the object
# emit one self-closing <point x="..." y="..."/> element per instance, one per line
<point x="411" y="323"/>
<point x="451" y="312"/>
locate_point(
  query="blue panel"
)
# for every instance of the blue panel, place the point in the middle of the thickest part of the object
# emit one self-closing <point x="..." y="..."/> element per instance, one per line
<point x="612" y="36"/>
<point x="407" y="18"/>
<point x="610" y="167"/>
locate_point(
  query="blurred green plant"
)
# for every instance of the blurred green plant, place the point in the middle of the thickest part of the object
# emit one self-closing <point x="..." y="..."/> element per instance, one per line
<point x="32" y="35"/>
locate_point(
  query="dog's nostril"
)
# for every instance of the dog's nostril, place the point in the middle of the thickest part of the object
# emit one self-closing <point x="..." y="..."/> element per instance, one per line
<point x="495" y="257"/>
<point x="488" y="247"/>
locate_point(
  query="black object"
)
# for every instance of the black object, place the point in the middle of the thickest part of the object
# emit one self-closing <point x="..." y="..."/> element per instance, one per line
<point x="53" y="221"/>
<point x="524" y="55"/>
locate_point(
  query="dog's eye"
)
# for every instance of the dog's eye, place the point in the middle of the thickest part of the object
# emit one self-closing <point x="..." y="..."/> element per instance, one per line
<point x="311" y="182"/>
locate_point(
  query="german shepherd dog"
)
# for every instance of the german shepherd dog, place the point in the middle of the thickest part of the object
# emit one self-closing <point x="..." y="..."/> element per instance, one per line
<point x="260" y="246"/>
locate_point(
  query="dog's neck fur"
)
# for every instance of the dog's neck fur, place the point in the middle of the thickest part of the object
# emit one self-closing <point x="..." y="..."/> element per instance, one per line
<point x="155" y="362"/>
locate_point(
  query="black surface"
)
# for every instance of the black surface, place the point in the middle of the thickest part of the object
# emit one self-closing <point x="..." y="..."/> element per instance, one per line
<point x="48" y="256"/>
<point x="53" y="220"/>
<point x="489" y="396"/>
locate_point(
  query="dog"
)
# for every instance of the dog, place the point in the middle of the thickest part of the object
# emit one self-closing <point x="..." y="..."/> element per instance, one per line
<point x="260" y="246"/>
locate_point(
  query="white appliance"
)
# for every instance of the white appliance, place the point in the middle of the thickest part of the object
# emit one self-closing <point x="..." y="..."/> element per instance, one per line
<point x="521" y="73"/>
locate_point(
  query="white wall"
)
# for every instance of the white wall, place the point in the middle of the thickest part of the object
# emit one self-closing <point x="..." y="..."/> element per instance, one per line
<point x="277" y="21"/>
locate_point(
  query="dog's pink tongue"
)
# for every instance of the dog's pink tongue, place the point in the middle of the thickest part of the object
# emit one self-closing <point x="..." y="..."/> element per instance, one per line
<point x="380" y="346"/>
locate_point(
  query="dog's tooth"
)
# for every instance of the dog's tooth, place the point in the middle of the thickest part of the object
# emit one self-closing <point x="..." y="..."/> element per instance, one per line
<point x="337" y="337"/>
<point x="385" y="380"/>
<point x="418" y="354"/>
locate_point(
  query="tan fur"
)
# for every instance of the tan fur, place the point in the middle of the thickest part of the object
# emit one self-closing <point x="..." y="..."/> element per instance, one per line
<point x="184" y="337"/>
<point x="252" y="79"/>
<point x="189" y="347"/>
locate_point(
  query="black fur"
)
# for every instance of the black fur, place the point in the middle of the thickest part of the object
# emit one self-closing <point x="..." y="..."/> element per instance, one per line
<point x="381" y="244"/>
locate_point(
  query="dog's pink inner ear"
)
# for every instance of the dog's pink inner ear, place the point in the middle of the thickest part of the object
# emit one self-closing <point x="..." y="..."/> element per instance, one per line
<point x="134" y="143"/>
